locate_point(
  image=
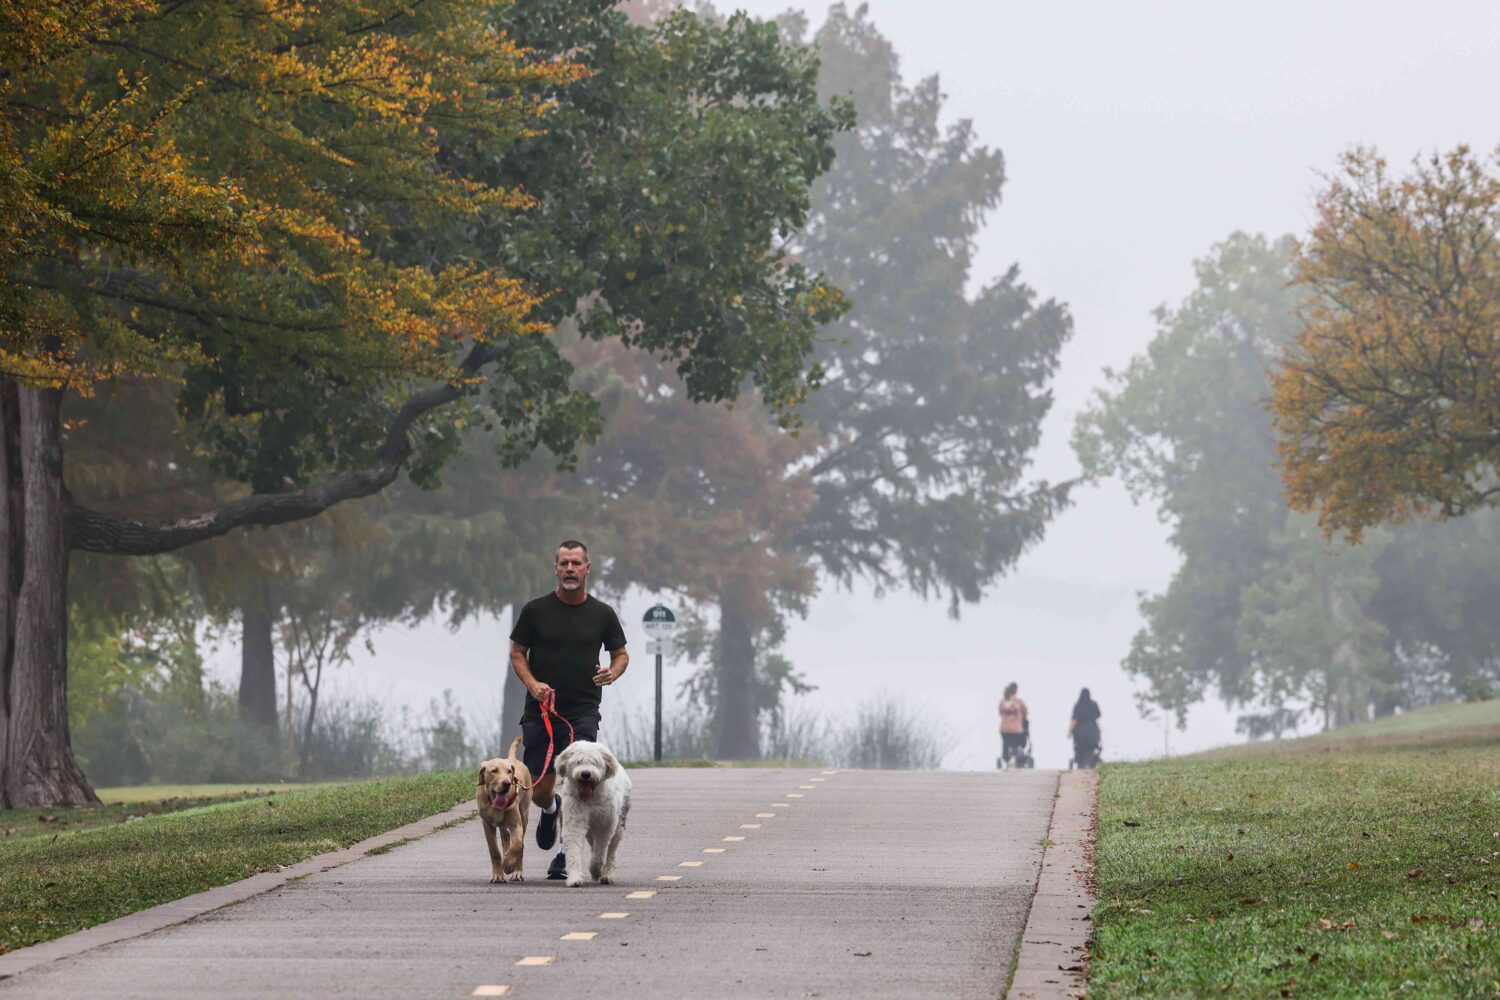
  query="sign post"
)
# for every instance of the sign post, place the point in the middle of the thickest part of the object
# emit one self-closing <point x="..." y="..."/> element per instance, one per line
<point x="659" y="624"/>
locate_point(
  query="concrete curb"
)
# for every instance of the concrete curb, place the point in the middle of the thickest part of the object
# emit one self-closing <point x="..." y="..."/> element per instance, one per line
<point x="1053" y="961"/>
<point x="179" y="910"/>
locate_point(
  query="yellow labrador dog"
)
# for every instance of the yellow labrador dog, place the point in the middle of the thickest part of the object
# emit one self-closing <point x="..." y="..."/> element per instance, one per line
<point x="504" y="802"/>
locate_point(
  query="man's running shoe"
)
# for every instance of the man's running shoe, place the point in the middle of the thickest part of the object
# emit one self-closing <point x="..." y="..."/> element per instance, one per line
<point x="546" y="827"/>
<point x="559" y="866"/>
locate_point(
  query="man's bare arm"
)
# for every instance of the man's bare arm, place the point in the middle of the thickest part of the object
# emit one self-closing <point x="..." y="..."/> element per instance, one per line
<point x="618" y="661"/>
<point x="523" y="671"/>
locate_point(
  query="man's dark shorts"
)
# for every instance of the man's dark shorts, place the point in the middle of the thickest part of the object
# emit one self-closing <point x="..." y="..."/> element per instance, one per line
<point x="534" y="739"/>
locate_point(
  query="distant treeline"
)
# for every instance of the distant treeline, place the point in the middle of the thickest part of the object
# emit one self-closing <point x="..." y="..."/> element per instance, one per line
<point x="1271" y="610"/>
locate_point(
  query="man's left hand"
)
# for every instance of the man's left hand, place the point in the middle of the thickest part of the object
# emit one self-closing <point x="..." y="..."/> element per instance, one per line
<point x="604" y="676"/>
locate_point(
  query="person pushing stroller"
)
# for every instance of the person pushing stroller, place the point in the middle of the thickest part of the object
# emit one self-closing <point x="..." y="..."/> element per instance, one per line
<point x="1083" y="728"/>
<point x="1015" y="730"/>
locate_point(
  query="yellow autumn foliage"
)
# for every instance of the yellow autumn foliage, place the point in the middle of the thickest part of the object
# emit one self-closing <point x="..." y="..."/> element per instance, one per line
<point x="254" y="186"/>
<point x="1388" y="402"/>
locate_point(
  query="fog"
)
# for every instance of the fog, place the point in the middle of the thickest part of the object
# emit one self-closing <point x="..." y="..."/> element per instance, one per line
<point x="1135" y="136"/>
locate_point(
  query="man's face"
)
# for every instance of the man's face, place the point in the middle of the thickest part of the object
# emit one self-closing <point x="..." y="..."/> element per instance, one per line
<point x="572" y="569"/>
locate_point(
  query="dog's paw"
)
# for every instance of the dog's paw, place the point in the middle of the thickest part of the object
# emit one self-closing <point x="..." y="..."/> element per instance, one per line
<point x="574" y="880"/>
<point x="608" y="878"/>
<point x="497" y="877"/>
<point x="514" y="877"/>
<point x="596" y="872"/>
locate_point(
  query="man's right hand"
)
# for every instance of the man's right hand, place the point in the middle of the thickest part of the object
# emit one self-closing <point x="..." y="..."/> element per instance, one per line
<point x="539" y="691"/>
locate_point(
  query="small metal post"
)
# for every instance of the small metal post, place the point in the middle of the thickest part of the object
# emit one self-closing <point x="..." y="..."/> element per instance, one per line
<point x="658" y="708"/>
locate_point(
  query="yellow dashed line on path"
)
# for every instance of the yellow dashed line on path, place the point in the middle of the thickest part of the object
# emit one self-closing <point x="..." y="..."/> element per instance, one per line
<point x="642" y="893"/>
<point x="538" y="960"/>
<point x="715" y="850"/>
<point x="689" y="864"/>
<point x="765" y="815"/>
<point x="669" y="878"/>
<point x="808" y="788"/>
<point x="783" y="805"/>
<point x="580" y="935"/>
<point x="734" y="840"/>
<point x="749" y="826"/>
<point x="614" y="915"/>
<point x="490" y="990"/>
<point x="817" y="779"/>
<point x="795" y="795"/>
<point x="830" y="772"/>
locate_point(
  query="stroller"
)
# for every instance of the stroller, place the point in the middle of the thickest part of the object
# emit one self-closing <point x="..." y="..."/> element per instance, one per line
<point x="1086" y="741"/>
<point x="1021" y="756"/>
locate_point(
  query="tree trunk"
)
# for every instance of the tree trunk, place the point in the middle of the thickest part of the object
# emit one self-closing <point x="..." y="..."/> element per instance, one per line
<point x="258" y="659"/>
<point x="307" y="726"/>
<point x="735" y="716"/>
<point x="36" y="760"/>
<point x="512" y="692"/>
<point x="1350" y="702"/>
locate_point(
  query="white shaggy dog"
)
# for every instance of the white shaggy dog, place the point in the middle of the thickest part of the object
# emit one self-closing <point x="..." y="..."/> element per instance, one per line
<point x="595" y="800"/>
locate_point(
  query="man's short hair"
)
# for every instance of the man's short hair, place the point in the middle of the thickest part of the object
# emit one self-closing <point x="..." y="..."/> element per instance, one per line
<point x="573" y="543"/>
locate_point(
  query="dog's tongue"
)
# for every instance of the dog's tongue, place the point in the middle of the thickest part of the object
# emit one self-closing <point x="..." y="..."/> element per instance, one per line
<point x="501" y="802"/>
<point x="585" y="792"/>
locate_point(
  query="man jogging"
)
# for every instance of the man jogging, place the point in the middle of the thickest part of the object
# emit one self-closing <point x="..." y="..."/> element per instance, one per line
<point x="554" y="650"/>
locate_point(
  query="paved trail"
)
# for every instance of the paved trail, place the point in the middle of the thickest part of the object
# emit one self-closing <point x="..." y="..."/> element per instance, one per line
<point x="851" y="884"/>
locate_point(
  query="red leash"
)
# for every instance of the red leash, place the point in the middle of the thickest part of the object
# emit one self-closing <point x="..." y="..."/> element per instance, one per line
<point x="548" y="706"/>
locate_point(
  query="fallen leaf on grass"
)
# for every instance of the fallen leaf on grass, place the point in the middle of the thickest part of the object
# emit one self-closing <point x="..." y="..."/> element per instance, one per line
<point x="1313" y="958"/>
<point x="1414" y="873"/>
<point x="1353" y="866"/>
<point x="1389" y="935"/>
<point x="1431" y="918"/>
<point x="1130" y="822"/>
<point x="1475" y="923"/>
<point x="1324" y="924"/>
<point x="1451" y="879"/>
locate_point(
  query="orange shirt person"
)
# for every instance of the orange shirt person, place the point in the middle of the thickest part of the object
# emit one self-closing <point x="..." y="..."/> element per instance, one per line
<point x="1012" y="724"/>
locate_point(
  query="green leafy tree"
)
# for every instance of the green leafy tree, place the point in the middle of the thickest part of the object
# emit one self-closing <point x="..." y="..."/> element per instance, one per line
<point x="1185" y="427"/>
<point x="1307" y="630"/>
<point x="1439" y="587"/>
<point x="934" y="400"/>
<point x="910" y="469"/>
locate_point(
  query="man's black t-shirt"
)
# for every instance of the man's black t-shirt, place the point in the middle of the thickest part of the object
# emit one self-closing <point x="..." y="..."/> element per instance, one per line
<point x="563" y="643"/>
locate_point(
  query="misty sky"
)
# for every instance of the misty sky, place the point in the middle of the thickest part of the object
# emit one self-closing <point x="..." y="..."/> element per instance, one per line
<point x="1135" y="136"/>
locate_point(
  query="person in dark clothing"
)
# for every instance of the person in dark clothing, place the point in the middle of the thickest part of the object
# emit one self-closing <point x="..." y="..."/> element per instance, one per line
<point x="1084" y="729"/>
<point x="554" y="649"/>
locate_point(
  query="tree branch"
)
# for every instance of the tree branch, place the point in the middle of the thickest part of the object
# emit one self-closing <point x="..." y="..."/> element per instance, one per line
<point x="92" y="531"/>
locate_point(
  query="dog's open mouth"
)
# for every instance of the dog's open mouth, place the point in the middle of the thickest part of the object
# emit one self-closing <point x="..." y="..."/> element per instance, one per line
<point x="502" y="802"/>
<point x="585" y="790"/>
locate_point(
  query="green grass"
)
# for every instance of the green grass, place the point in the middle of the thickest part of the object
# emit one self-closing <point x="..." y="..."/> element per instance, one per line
<point x="100" y="866"/>
<point x="1357" y="863"/>
<point x="167" y="793"/>
<point x="706" y="762"/>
